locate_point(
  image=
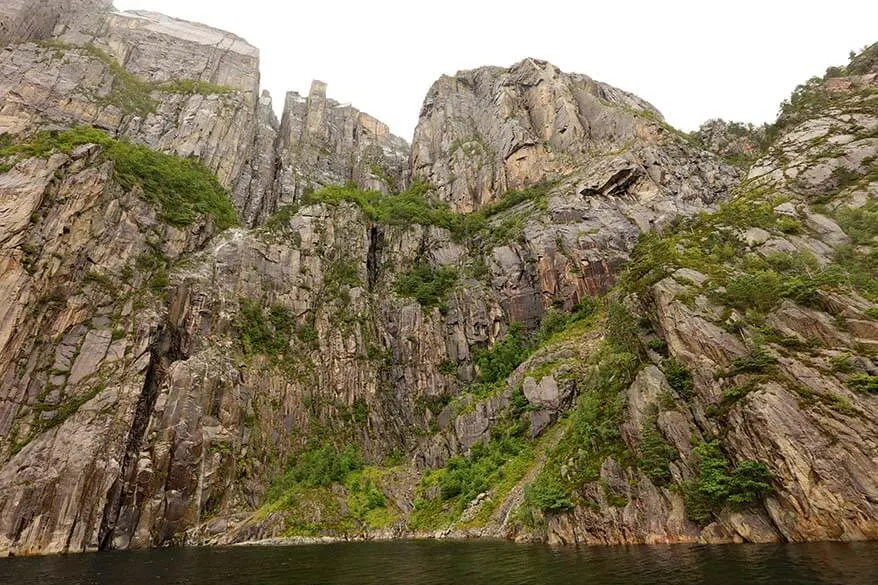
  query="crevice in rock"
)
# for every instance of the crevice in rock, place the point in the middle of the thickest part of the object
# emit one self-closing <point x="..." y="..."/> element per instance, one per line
<point x="617" y="185"/>
<point x="376" y="243"/>
<point x="165" y="350"/>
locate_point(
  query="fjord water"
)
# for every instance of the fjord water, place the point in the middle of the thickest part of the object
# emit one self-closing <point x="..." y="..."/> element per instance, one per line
<point x="458" y="562"/>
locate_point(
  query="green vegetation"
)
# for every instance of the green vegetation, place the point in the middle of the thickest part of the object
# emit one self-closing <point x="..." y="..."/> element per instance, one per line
<point x="183" y="189"/>
<point x="496" y="363"/>
<point x="317" y="466"/>
<point x="264" y="334"/>
<point x="341" y="274"/>
<point x="129" y="93"/>
<point x="679" y="378"/>
<point x="502" y="460"/>
<point x="734" y="154"/>
<point x="758" y="361"/>
<point x="427" y="284"/>
<point x="307" y="494"/>
<point x="194" y="87"/>
<point x="594" y="432"/>
<point x="718" y="484"/>
<point x="154" y="266"/>
<point x="547" y="494"/>
<point x="860" y="224"/>
<point x="466" y="477"/>
<point x="406" y="208"/>
<point x="280" y="219"/>
<point x="861" y="63"/>
<point x="655" y="453"/>
<point x="737" y="393"/>
<point x="710" y="243"/>
<point x="864" y="383"/>
<point x="763" y="289"/>
<point x="48" y="416"/>
<point x="413" y="207"/>
<point x="594" y="428"/>
<point x="366" y="502"/>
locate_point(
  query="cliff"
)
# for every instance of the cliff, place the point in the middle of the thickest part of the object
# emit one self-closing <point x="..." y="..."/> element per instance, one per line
<point x="553" y="317"/>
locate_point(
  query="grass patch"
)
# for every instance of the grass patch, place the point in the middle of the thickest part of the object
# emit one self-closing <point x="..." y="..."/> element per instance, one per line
<point x="194" y="87"/>
<point x="413" y="206"/>
<point x="502" y="460"/>
<point x="594" y="428"/>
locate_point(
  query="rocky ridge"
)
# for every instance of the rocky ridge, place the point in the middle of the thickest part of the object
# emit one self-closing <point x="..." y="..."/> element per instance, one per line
<point x="427" y="350"/>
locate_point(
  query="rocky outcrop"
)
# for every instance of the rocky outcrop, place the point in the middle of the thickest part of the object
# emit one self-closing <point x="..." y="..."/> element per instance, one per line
<point x="79" y="255"/>
<point x="739" y="144"/>
<point x="778" y="374"/>
<point x="490" y="130"/>
<point x="200" y="105"/>
<point x="25" y="20"/>
<point x="253" y="194"/>
<point x="322" y="142"/>
<point x="607" y="168"/>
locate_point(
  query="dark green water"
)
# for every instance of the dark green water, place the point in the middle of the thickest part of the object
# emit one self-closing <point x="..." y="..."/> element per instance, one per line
<point x="434" y="563"/>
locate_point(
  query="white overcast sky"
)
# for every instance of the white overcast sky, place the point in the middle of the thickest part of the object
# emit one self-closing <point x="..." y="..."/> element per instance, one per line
<point x="693" y="60"/>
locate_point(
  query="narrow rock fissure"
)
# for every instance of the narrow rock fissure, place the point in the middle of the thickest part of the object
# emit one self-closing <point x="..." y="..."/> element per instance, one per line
<point x="166" y="349"/>
<point x="376" y="242"/>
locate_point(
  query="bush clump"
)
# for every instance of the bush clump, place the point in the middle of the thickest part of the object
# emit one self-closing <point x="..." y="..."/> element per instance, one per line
<point x="759" y="360"/>
<point x="464" y="478"/>
<point x="495" y="364"/>
<point x="427" y="284"/>
<point x="679" y="378"/>
<point x="264" y="334"/>
<point x="718" y="484"/>
<point x="655" y="452"/>
<point x="317" y="466"/>
<point x="864" y="383"/>
<point x="547" y="494"/>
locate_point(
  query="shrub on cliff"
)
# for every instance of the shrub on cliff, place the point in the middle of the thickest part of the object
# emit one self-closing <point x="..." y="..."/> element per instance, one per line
<point x="718" y="484"/>
<point x="547" y="494"/>
<point x="427" y="284"/>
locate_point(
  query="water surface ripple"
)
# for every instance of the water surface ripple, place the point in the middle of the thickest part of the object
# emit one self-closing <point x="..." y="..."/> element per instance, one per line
<point x="458" y="562"/>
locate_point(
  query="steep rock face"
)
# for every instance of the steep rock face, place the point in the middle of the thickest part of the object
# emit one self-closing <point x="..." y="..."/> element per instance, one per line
<point x="778" y="334"/>
<point x="226" y="416"/>
<point x="25" y="20"/>
<point x="596" y="165"/>
<point x="254" y="190"/>
<point x="322" y="142"/>
<point x="200" y="105"/>
<point x="79" y="255"/>
<point x="95" y="345"/>
<point x="490" y="130"/>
